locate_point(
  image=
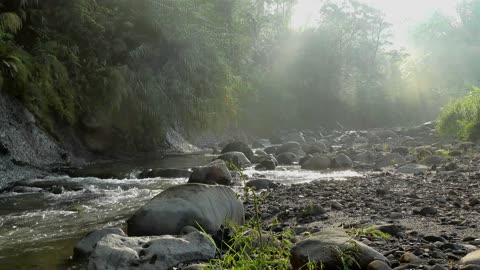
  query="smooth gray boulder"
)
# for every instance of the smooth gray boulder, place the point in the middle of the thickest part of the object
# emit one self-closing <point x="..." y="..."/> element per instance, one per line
<point x="84" y="247"/>
<point x="325" y="247"/>
<point x="342" y="161"/>
<point x="194" y="205"/>
<point x="291" y="147"/>
<point x="166" y="173"/>
<point x="214" y="173"/>
<point x="287" y="158"/>
<point x="317" y="163"/>
<point x="259" y="184"/>
<point x="236" y="158"/>
<point x="115" y="252"/>
<point x="238" y="147"/>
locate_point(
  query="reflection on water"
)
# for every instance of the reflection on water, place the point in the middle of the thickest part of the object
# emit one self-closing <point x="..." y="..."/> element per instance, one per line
<point x="38" y="230"/>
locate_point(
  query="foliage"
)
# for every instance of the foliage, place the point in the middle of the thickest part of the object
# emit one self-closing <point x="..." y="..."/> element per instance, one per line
<point x="462" y="118"/>
<point x="368" y="231"/>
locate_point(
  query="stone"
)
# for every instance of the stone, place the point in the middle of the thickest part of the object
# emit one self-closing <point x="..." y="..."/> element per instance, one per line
<point x="472" y="258"/>
<point x="401" y="150"/>
<point x="236" y="158"/>
<point x="389" y="159"/>
<point x="259" y="184"/>
<point x="287" y="158"/>
<point x="238" y="147"/>
<point x="378" y="265"/>
<point x="410" y="258"/>
<point x="342" y="161"/>
<point x="317" y="163"/>
<point x="150" y="253"/>
<point x="434" y="160"/>
<point x="427" y="211"/>
<point x="324" y="248"/>
<point x="201" y="206"/>
<point x="214" y="173"/>
<point x="84" y="247"/>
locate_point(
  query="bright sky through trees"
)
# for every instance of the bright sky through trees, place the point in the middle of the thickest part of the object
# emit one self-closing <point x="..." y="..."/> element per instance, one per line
<point x="403" y="14"/>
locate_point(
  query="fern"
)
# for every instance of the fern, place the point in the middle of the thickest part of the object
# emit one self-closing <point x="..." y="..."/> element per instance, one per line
<point x="10" y="22"/>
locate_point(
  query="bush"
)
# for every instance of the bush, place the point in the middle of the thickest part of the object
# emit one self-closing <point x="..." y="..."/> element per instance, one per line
<point x="461" y="118"/>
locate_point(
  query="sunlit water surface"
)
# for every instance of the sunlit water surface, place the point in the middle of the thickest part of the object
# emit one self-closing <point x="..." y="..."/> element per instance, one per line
<point x="38" y="230"/>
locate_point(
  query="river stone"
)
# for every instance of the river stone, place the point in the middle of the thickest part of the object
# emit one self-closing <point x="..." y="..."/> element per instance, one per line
<point x="317" y="163"/>
<point x="84" y="247"/>
<point x="378" y="265"/>
<point x="214" y="173"/>
<point x="471" y="258"/>
<point x="316" y="147"/>
<point x="165" y="173"/>
<point x="236" y="158"/>
<point x="324" y="248"/>
<point x="287" y="158"/>
<point x="268" y="163"/>
<point x="342" y="161"/>
<point x="115" y="252"/>
<point x="389" y="159"/>
<point x="434" y="160"/>
<point x="238" y="147"/>
<point x="259" y="184"/>
<point x="194" y="205"/>
<point x="412" y="169"/>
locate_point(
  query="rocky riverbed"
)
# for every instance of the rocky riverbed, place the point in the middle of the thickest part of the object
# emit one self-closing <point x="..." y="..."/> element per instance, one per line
<point x="421" y="190"/>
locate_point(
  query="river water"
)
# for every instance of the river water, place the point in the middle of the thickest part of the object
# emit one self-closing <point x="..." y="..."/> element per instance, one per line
<point x="38" y="229"/>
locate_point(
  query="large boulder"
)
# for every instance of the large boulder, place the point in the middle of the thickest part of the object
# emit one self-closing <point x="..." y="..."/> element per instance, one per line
<point x="342" y="161"/>
<point x="268" y="163"/>
<point x="84" y="247"/>
<point x="317" y="163"/>
<point x="287" y="158"/>
<point x="329" y="248"/>
<point x="238" y="147"/>
<point x="313" y="148"/>
<point x="214" y="173"/>
<point x="195" y="205"/>
<point x="150" y="253"/>
<point x="389" y="159"/>
<point x="292" y="147"/>
<point x="259" y="184"/>
<point x="236" y="158"/>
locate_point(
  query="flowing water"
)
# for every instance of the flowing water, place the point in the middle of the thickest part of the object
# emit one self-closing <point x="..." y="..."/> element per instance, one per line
<point x="38" y="229"/>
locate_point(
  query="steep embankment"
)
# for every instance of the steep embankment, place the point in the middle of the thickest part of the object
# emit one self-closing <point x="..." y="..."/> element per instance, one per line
<point x="25" y="149"/>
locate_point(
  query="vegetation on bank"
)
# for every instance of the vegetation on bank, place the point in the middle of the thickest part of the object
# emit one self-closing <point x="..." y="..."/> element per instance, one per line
<point x="130" y="69"/>
<point x="461" y="118"/>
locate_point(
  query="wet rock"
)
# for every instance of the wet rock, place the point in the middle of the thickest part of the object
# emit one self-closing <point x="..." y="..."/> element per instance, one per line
<point x="472" y="258"/>
<point x="287" y="158"/>
<point x="238" y="147"/>
<point x="236" y="158"/>
<point x="378" y="265"/>
<point x="187" y="205"/>
<point x="303" y="159"/>
<point x="317" y="163"/>
<point x="266" y="164"/>
<point x="434" y="238"/>
<point x="313" y="148"/>
<point x="261" y="153"/>
<point x="22" y="189"/>
<point x="214" y="173"/>
<point x="341" y="161"/>
<point x="324" y="247"/>
<point x="391" y="229"/>
<point x="165" y="173"/>
<point x="412" y="169"/>
<point x="84" y="247"/>
<point x="158" y="252"/>
<point x="313" y="210"/>
<point x="259" y="184"/>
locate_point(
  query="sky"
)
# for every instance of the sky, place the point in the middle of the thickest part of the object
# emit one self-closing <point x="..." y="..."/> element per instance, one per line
<point x="403" y="14"/>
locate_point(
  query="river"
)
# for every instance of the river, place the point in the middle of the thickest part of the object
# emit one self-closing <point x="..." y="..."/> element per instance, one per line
<point x="39" y="229"/>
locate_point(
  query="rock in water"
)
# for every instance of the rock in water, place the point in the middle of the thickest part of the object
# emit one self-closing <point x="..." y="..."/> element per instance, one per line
<point x="148" y="253"/>
<point x="85" y="246"/>
<point x="259" y="184"/>
<point x="287" y="158"/>
<point x="342" y="161"/>
<point x="238" y="147"/>
<point x="327" y="248"/>
<point x="236" y="158"/>
<point x="317" y="163"/>
<point x="412" y="169"/>
<point x="214" y="173"/>
<point x="194" y="205"/>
